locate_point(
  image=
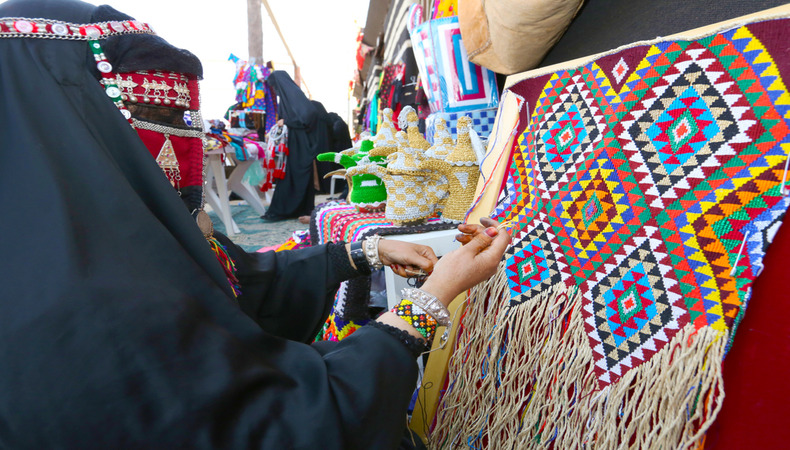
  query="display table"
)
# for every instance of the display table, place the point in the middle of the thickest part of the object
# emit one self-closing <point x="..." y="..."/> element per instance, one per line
<point x="332" y="183"/>
<point x="218" y="187"/>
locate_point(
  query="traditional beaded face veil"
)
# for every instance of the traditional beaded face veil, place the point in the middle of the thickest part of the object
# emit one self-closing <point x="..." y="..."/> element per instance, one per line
<point x="162" y="106"/>
<point x="133" y="93"/>
<point x="13" y="27"/>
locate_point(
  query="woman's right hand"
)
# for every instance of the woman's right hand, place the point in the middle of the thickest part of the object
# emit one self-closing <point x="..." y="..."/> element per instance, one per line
<point x="469" y="265"/>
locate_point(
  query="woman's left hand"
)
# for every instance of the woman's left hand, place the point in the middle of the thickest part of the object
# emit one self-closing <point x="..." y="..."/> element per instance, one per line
<point x="406" y="259"/>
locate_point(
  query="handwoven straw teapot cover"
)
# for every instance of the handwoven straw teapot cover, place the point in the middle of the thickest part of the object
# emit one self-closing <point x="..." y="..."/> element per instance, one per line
<point x="461" y="169"/>
<point x="366" y="191"/>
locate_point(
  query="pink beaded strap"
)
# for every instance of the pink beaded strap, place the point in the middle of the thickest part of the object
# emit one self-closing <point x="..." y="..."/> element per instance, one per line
<point x="15" y="27"/>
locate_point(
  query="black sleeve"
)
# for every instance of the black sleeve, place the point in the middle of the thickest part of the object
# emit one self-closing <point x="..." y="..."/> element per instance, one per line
<point x="289" y="294"/>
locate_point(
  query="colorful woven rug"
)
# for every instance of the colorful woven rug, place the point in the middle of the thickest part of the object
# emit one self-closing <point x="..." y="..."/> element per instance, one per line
<point x="339" y="221"/>
<point x="644" y="188"/>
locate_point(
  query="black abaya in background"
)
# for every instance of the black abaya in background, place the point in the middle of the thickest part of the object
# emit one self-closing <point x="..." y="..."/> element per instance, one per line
<point x="118" y="328"/>
<point x="341" y="140"/>
<point x="294" y="195"/>
<point x="341" y="137"/>
<point x="323" y="140"/>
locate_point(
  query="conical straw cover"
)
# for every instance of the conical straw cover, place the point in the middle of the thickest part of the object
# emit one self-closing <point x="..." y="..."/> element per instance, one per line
<point x="385" y="142"/>
<point x="463" y="154"/>
<point x="442" y="142"/>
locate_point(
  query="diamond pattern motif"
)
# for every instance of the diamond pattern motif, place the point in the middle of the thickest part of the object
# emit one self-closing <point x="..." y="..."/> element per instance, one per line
<point x="531" y="265"/>
<point x="620" y="70"/>
<point x="638" y="177"/>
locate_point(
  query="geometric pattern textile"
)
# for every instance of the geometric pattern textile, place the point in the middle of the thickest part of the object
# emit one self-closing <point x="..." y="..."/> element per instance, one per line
<point x="450" y="81"/>
<point x="644" y="188"/>
<point x="482" y="123"/>
<point x="671" y="172"/>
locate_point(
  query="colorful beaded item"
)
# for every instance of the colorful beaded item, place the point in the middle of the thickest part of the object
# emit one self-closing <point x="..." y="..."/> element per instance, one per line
<point x="417" y="317"/>
<point x="337" y="328"/>
<point x="13" y="27"/>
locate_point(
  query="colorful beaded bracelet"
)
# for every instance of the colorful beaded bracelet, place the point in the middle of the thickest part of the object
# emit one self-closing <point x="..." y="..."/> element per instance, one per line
<point x="417" y="317"/>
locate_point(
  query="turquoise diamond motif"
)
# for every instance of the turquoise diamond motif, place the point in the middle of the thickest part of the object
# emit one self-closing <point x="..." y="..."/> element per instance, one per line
<point x="682" y="129"/>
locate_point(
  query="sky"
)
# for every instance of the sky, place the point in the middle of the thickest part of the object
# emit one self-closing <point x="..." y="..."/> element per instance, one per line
<point x="321" y="34"/>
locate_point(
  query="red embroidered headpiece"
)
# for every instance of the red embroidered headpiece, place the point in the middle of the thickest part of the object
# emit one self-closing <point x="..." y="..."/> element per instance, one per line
<point x="160" y="88"/>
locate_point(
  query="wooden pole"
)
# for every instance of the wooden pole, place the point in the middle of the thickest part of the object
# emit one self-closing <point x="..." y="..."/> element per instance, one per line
<point x="254" y="32"/>
<point x="297" y="72"/>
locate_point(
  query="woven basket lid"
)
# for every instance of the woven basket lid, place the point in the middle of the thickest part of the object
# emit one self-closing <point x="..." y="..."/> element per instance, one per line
<point x="406" y="160"/>
<point x="403" y="141"/>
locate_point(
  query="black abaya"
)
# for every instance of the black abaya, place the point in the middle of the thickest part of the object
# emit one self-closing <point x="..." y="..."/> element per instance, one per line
<point x="339" y="140"/>
<point x="323" y="141"/>
<point x="118" y="328"/>
<point x="294" y="195"/>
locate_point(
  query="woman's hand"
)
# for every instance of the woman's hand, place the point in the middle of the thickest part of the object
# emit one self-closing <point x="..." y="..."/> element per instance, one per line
<point x="406" y="259"/>
<point x="467" y="266"/>
<point x="468" y="230"/>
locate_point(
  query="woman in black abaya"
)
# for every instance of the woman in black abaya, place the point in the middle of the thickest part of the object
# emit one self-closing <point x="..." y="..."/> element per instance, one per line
<point x="339" y="140"/>
<point x="323" y="141"/>
<point x="118" y="328"/>
<point x="294" y="195"/>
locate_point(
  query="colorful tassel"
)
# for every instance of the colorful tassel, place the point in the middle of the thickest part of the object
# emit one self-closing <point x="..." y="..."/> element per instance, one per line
<point x="227" y="264"/>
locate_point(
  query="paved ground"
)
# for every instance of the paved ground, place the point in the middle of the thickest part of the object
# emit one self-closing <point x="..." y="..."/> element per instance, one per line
<point x="254" y="232"/>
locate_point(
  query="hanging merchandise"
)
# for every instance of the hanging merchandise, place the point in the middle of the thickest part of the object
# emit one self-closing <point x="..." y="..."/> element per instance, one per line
<point x="275" y="156"/>
<point x="253" y="93"/>
<point x="391" y="82"/>
<point x="444" y="8"/>
<point x="451" y="82"/>
<point x="482" y="122"/>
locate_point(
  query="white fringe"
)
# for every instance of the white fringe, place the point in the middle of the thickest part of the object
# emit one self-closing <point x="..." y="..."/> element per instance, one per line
<point x="516" y="380"/>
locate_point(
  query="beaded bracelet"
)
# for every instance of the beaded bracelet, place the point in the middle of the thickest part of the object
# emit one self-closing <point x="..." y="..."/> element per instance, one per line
<point x="429" y="304"/>
<point x="417" y="317"/>
<point x="371" y="246"/>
